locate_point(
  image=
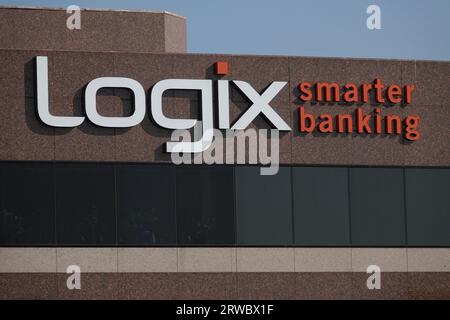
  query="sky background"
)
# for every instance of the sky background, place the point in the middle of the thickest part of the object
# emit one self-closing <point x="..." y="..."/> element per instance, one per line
<point x="411" y="29"/>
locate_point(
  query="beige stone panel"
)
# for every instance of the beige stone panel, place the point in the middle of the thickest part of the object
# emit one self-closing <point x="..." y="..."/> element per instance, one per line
<point x="88" y="259"/>
<point x="27" y="260"/>
<point x="147" y="259"/>
<point x="428" y="260"/>
<point x="206" y="260"/>
<point x="323" y="260"/>
<point x="388" y="259"/>
<point x="265" y="260"/>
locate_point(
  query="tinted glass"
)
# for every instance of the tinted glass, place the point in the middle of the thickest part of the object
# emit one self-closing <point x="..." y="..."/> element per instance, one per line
<point x="263" y="207"/>
<point x="85" y="204"/>
<point x="377" y="206"/>
<point x="146" y="204"/>
<point x="321" y="215"/>
<point x="221" y="205"/>
<point x="27" y="214"/>
<point x="205" y="205"/>
<point x="428" y="206"/>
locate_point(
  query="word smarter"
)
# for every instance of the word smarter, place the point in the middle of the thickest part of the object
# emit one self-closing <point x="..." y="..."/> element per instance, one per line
<point x="260" y="105"/>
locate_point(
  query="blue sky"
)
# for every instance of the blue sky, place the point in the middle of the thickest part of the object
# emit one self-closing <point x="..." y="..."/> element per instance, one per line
<point x="411" y="29"/>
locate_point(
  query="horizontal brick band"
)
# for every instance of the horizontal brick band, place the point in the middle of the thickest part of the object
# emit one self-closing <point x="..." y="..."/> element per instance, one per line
<point x="220" y="260"/>
<point x="241" y="285"/>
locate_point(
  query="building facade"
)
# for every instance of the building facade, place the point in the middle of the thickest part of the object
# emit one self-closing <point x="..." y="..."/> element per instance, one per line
<point x="364" y="177"/>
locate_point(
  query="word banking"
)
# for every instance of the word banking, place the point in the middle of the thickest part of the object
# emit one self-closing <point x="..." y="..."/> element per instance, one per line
<point x="358" y="121"/>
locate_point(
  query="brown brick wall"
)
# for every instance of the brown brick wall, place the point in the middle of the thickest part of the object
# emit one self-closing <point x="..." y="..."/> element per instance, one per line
<point x="188" y="286"/>
<point x="24" y="137"/>
<point x="101" y="30"/>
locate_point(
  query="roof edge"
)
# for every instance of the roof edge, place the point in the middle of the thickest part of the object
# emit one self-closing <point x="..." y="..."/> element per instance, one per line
<point x="91" y="9"/>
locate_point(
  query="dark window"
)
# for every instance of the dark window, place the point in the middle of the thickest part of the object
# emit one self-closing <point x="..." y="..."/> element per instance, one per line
<point x="205" y="205"/>
<point x="85" y="204"/>
<point x="263" y="207"/>
<point x="146" y="204"/>
<point x="377" y="206"/>
<point x="428" y="206"/>
<point x="321" y="215"/>
<point x="27" y="214"/>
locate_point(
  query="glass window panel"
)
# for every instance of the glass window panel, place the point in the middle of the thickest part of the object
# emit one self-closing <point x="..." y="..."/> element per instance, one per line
<point x="321" y="215"/>
<point x="205" y="205"/>
<point x="146" y="204"/>
<point x="85" y="204"/>
<point x="263" y="207"/>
